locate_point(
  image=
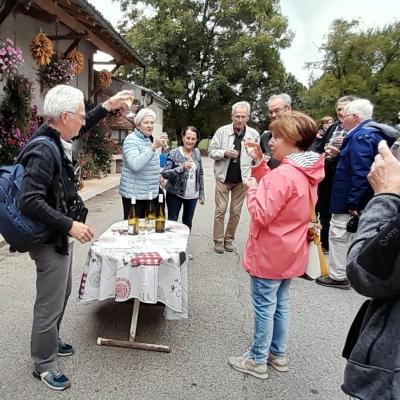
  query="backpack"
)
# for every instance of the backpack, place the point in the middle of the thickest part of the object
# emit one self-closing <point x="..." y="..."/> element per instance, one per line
<point x="19" y="231"/>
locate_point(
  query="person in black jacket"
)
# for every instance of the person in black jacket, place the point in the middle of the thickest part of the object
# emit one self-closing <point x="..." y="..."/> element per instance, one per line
<point x="372" y="347"/>
<point x="334" y="132"/>
<point x="48" y="196"/>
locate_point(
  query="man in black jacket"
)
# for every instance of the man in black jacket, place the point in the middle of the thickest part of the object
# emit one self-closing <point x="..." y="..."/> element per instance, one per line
<point x="373" y="269"/>
<point x="48" y="196"/>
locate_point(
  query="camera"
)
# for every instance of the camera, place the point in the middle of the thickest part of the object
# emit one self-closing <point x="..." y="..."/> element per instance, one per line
<point x="77" y="210"/>
<point x="352" y="224"/>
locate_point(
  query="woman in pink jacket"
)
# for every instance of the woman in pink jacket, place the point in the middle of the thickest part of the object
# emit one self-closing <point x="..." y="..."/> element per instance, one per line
<point x="278" y="201"/>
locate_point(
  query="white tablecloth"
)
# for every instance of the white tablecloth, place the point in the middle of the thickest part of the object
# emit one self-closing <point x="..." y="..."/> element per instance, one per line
<point x="111" y="270"/>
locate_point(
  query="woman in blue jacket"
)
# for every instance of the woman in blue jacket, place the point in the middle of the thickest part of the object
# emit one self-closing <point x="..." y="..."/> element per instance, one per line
<point x="184" y="172"/>
<point x="141" y="164"/>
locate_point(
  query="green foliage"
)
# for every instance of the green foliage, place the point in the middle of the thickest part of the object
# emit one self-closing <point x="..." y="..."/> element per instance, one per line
<point x="15" y="118"/>
<point x="204" y="55"/>
<point x="363" y="63"/>
<point x="99" y="144"/>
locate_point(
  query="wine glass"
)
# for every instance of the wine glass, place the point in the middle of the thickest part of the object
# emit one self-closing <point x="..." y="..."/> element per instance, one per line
<point x="235" y="159"/>
<point x="141" y="226"/>
<point x="129" y="101"/>
<point x="149" y="225"/>
<point x="190" y="161"/>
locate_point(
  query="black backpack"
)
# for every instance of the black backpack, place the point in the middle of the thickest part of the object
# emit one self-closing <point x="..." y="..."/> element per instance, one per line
<point x="20" y="231"/>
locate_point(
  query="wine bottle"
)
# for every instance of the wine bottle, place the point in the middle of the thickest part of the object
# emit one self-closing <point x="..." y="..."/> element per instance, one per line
<point x="133" y="220"/>
<point x="150" y="212"/>
<point x="160" y="219"/>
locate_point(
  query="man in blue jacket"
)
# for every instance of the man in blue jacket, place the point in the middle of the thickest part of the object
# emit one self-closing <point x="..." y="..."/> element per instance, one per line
<point x="351" y="190"/>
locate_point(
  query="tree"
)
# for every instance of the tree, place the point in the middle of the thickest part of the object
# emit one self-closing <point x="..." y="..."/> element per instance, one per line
<point x="364" y="63"/>
<point x="204" y="55"/>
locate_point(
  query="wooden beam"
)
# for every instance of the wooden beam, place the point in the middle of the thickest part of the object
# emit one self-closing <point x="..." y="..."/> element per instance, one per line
<point x="36" y="13"/>
<point x="8" y="9"/>
<point x="111" y="62"/>
<point x="71" y="47"/>
<point x="68" y="20"/>
<point x="114" y="70"/>
<point x="69" y="36"/>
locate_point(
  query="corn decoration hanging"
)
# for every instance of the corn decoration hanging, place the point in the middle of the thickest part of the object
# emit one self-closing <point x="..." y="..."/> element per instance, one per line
<point x="42" y="49"/>
<point x="104" y="79"/>
<point x="78" y="61"/>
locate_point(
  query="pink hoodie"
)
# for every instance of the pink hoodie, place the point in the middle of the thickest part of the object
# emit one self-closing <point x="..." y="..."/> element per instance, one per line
<point x="277" y="246"/>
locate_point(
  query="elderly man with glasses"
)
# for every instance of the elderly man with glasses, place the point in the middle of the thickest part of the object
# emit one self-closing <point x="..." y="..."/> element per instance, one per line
<point x="48" y="195"/>
<point x="278" y="105"/>
<point x="351" y="190"/>
<point x="231" y="167"/>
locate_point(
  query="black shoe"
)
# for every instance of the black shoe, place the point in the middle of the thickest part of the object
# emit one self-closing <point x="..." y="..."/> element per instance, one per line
<point x="328" y="281"/>
<point x="65" y="349"/>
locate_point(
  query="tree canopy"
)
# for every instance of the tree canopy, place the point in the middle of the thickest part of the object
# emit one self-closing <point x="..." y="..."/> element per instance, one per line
<point x="204" y="55"/>
<point x="365" y="63"/>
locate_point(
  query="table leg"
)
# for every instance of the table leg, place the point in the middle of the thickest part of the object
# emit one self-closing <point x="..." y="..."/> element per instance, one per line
<point x="131" y="344"/>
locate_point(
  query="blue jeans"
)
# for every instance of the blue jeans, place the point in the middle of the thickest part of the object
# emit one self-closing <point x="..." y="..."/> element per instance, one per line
<point x="174" y="204"/>
<point x="270" y="301"/>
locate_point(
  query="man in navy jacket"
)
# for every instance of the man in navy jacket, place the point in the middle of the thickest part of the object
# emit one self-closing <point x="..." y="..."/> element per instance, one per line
<point x="351" y="190"/>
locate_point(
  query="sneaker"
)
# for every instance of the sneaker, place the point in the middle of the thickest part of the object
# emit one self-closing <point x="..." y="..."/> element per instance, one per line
<point x="326" y="280"/>
<point x="279" y="363"/>
<point x="54" y="379"/>
<point x="229" y="247"/>
<point x="248" y="366"/>
<point x="218" y="247"/>
<point x="190" y="256"/>
<point x="65" y="349"/>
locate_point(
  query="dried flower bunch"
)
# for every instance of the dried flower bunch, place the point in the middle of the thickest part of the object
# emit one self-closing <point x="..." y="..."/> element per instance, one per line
<point x="78" y="61"/>
<point x="10" y="59"/>
<point x="42" y="49"/>
<point x="59" y="71"/>
<point x="104" y="79"/>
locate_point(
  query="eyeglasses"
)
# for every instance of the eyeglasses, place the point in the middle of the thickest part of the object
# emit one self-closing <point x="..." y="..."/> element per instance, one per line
<point x="348" y="115"/>
<point x="82" y="116"/>
<point x="276" y="110"/>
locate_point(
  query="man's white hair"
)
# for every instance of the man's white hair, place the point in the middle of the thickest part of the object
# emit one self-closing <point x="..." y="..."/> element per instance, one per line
<point x="241" y="104"/>
<point x="286" y="99"/>
<point x="143" y="113"/>
<point x="363" y="108"/>
<point x="62" y="98"/>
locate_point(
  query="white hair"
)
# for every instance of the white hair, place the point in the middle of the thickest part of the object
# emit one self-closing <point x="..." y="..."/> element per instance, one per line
<point x="143" y="113"/>
<point x="363" y="108"/>
<point x="62" y="98"/>
<point x="286" y="99"/>
<point x="241" y="104"/>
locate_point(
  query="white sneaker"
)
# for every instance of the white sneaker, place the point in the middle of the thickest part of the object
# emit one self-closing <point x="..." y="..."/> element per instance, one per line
<point x="279" y="363"/>
<point x="248" y="366"/>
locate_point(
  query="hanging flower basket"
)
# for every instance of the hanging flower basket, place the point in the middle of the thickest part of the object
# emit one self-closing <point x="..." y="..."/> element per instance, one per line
<point x="10" y="59"/>
<point x="59" y="71"/>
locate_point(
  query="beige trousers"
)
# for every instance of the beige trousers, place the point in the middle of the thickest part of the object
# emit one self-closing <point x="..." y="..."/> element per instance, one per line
<point x="222" y="191"/>
<point x="339" y="243"/>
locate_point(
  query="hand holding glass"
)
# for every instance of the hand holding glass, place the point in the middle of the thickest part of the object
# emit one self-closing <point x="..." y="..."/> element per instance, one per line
<point x="129" y="102"/>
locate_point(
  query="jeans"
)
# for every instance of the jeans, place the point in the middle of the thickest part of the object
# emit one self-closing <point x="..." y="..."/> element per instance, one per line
<point x="174" y="204"/>
<point x="270" y="301"/>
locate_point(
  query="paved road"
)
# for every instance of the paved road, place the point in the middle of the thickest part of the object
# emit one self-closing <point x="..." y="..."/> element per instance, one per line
<point x="219" y="325"/>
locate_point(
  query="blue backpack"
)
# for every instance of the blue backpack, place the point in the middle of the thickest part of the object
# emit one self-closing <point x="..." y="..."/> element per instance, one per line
<point x="19" y="231"/>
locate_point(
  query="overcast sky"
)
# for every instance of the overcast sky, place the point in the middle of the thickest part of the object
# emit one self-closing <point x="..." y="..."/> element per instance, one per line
<point x="309" y="20"/>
